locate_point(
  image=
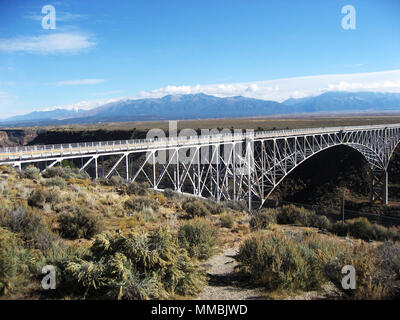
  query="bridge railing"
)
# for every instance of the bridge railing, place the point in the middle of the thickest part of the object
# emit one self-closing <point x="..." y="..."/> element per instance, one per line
<point x="71" y="149"/>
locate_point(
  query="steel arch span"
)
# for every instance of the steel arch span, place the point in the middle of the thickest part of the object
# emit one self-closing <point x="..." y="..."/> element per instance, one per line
<point x="223" y="166"/>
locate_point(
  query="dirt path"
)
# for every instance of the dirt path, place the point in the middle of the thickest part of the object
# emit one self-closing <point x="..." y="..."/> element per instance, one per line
<point x="223" y="282"/>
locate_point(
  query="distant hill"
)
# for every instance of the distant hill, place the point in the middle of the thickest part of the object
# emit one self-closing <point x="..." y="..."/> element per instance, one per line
<point x="201" y="106"/>
<point x="337" y="101"/>
<point x="43" y="115"/>
<point x="186" y="107"/>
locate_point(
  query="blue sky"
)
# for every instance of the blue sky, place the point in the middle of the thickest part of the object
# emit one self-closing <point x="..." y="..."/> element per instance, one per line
<point x="105" y="50"/>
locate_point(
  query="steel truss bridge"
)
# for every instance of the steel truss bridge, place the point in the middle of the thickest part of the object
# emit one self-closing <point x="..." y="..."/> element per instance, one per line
<point x="231" y="166"/>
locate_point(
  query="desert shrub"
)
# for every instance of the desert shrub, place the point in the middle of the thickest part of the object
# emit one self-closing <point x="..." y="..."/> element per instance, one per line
<point x="6" y="169"/>
<point x="213" y="207"/>
<point x="16" y="263"/>
<point x="290" y="214"/>
<point x="394" y="233"/>
<point x="37" y="198"/>
<point x="321" y="222"/>
<point x="160" y="199"/>
<point x="388" y="254"/>
<point x="340" y="228"/>
<point x="79" y="223"/>
<point x="65" y="172"/>
<point x="368" y="272"/>
<point x="52" y="195"/>
<point x="59" y="256"/>
<point x="31" y="172"/>
<point x="32" y="228"/>
<point x="279" y="262"/>
<point x="56" y="182"/>
<point x="381" y="233"/>
<point x="136" y="266"/>
<point x="149" y="215"/>
<point x="198" y="237"/>
<point x="195" y="208"/>
<point x="137" y="189"/>
<point x="262" y="219"/>
<point x="169" y="193"/>
<point x="360" y="228"/>
<point x="236" y="205"/>
<point x="226" y="220"/>
<point x="116" y="181"/>
<point x="306" y="261"/>
<point x="138" y="204"/>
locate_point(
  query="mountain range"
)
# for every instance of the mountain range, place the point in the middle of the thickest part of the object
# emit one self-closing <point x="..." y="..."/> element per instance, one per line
<point x="202" y="106"/>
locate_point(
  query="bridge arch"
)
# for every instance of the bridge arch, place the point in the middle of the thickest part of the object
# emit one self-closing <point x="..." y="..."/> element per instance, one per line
<point x="359" y="148"/>
<point x="289" y="152"/>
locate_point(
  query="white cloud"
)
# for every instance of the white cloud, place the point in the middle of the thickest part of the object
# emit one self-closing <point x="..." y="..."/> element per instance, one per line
<point x="79" y="82"/>
<point x="282" y="89"/>
<point x="48" y="43"/>
<point x="83" y="105"/>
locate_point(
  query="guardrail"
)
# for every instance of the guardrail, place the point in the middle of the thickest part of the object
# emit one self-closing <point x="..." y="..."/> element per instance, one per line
<point x="57" y="150"/>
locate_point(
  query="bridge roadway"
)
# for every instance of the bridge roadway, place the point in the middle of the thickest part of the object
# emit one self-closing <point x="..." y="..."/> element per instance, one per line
<point x="18" y="155"/>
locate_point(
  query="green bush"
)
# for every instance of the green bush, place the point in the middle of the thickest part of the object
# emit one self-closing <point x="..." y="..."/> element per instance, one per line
<point x="195" y="208"/>
<point x="290" y="214"/>
<point x="136" y="266"/>
<point x="388" y="255"/>
<point x="16" y="263"/>
<point x="79" y="223"/>
<point x="305" y="261"/>
<point x="279" y="262"/>
<point x="137" y="189"/>
<point x="263" y="219"/>
<point x="116" y="181"/>
<point x="340" y="228"/>
<point x="226" y="220"/>
<point x="170" y="194"/>
<point x="381" y="233"/>
<point x="198" y="237"/>
<point x="321" y="222"/>
<point x="32" y="228"/>
<point x="360" y="228"/>
<point x="37" y="198"/>
<point x="370" y="279"/>
<point x="213" y="207"/>
<point x="56" y="182"/>
<point x="31" y="172"/>
<point x="138" y="204"/>
<point x="236" y="205"/>
<point x="65" y="172"/>
<point x="52" y="195"/>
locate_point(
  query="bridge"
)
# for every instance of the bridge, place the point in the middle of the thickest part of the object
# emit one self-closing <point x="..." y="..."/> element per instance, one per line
<point x="226" y="166"/>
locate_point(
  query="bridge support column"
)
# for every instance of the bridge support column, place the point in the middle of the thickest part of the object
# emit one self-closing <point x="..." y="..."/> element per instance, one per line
<point x="379" y="186"/>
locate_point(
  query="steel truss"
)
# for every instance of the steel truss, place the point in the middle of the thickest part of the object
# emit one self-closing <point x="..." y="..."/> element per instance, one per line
<point x="229" y="167"/>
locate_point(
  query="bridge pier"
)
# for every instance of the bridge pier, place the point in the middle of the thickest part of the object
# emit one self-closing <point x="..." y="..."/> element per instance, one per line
<point x="379" y="187"/>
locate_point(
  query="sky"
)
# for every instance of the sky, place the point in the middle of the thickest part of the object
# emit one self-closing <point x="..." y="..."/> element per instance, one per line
<point x="102" y="51"/>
